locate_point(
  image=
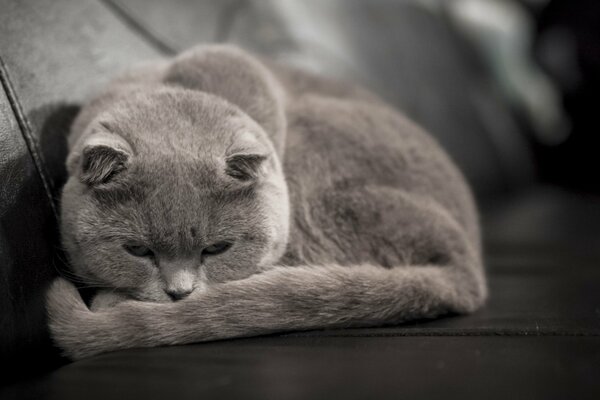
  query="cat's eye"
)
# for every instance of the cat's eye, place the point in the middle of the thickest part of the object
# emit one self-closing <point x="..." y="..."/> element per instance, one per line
<point x="216" y="248"/>
<point x="138" y="250"/>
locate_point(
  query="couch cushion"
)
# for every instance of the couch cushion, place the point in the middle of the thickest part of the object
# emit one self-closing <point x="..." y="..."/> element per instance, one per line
<point x="483" y="367"/>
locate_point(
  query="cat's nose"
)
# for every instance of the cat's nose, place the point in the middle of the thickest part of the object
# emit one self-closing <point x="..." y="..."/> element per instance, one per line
<point x="176" y="295"/>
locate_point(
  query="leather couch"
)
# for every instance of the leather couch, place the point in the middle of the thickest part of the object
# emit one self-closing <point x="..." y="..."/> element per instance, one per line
<point x="538" y="336"/>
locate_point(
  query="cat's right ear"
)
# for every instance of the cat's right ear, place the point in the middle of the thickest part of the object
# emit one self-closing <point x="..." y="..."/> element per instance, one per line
<point x="102" y="156"/>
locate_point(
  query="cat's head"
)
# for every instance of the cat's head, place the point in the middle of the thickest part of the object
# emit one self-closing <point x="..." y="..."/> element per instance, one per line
<point x="171" y="190"/>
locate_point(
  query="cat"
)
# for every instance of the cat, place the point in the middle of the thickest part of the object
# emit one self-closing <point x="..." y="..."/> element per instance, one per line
<point x="218" y="195"/>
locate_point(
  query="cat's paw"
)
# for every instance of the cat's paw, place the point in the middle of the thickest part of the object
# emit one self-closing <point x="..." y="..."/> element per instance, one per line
<point x="106" y="299"/>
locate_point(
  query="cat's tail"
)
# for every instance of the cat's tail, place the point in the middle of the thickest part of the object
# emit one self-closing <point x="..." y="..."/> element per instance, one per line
<point x="307" y="297"/>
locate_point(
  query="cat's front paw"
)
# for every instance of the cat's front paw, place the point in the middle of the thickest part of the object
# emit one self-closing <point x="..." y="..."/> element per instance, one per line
<point x="106" y="299"/>
<point x="74" y="328"/>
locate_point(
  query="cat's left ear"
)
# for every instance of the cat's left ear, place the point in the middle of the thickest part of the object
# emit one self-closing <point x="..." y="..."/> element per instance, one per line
<point x="101" y="157"/>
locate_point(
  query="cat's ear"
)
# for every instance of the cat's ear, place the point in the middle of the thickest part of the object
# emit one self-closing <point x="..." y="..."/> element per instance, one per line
<point x="245" y="167"/>
<point x="102" y="157"/>
<point x="239" y="78"/>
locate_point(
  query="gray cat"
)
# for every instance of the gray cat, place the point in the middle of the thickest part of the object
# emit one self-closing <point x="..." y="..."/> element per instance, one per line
<point x="217" y="196"/>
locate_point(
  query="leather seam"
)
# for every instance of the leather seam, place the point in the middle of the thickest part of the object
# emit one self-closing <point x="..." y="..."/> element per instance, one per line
<point x="126" y="16"/>
<point x="26" y="133"/>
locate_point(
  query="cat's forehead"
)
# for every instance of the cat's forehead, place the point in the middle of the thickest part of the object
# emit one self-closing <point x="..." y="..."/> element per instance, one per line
<point x="190" y="126"/>
<point x="182" y="181"/>
<point x="183" y="215"/>
<point x="178" y="183"/>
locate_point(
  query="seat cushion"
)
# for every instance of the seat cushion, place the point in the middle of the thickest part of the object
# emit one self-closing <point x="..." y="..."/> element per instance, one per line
<point x="390" y="367"/>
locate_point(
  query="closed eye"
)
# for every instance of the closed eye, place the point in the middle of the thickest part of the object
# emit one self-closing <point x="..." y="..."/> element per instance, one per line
<point x="216" y="248"/>
<point x="138" y="250"/>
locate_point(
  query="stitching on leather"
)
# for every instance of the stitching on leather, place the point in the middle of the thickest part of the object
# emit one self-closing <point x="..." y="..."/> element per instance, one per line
<point x="147" y="33"/>
<point x="26" y="130"/>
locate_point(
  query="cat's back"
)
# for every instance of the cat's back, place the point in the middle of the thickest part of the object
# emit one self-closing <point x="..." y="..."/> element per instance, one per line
<point x="360" y="174"/>
<point x="347" y="149"/>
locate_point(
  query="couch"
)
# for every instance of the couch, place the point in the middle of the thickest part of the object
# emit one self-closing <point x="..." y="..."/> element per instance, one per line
<point x="538" y="337"/>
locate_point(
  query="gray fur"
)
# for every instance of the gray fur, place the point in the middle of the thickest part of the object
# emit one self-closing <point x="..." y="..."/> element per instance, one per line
<point x="341" y="211"/>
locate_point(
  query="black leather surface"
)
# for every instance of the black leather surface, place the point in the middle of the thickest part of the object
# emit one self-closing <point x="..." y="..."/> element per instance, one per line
<point x="538" y="337"/>
<point x="27" y="240"/>
<point x="491" y="367"/>
<point x="57" y="54"/>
